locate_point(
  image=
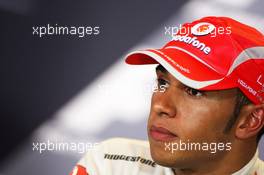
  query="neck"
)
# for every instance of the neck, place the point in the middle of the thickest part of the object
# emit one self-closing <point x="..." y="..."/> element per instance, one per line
<point x="240" y="154"/>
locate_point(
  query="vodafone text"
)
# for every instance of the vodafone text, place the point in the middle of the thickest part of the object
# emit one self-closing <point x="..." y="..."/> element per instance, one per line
<point x="193" y="41"/>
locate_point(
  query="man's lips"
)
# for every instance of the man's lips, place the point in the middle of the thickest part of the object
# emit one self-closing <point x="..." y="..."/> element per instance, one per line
<point x="161" y="134"/>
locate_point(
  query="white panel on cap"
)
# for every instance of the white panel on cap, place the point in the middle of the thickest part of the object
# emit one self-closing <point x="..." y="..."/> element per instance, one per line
<point x="247" y="54"/>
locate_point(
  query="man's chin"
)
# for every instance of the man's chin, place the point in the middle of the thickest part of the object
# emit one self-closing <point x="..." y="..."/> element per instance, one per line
<point x="166" y="158"/>
<point x="162" y="157"/>
<point x="166" y="161"/>
<point x="170" y="161"/>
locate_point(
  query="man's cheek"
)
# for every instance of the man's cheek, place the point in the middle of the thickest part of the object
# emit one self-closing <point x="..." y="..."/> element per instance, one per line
<point x="195" y="130"/>
<point x="203" y="119"/>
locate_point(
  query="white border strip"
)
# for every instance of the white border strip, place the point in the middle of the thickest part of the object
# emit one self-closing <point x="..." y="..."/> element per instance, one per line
<point x="192" y="55"/>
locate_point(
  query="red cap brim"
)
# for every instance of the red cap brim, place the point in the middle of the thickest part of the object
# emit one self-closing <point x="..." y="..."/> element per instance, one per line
<point x="185" y="67"/>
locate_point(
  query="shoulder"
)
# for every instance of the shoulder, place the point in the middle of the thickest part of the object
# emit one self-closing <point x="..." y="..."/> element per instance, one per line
<point x="120" y="156"/>
<point x="118" y="149"/>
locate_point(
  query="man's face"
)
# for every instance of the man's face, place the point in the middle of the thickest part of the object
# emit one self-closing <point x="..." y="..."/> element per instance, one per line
<point x="182" y="114"/>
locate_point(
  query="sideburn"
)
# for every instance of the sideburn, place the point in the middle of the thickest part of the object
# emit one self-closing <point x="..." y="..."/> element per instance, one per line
<point x="241" y="100"/>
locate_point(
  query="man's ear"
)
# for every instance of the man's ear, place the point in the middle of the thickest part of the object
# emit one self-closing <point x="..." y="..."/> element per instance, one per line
<point x="251" y="121"/>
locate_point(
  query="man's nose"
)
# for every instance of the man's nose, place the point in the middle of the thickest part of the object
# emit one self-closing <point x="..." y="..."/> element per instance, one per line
<point x="163" y="104"/>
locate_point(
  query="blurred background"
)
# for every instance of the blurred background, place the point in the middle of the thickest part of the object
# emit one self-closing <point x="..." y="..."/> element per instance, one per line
<point x="65" y="88"/>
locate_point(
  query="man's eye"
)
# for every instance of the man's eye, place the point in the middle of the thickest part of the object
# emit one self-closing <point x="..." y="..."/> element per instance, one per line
<point x="194" y="92"/>
<point x="162" y="83"/>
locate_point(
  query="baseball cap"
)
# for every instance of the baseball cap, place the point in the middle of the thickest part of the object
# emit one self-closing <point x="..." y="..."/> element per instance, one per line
<point x="212" y="53"/>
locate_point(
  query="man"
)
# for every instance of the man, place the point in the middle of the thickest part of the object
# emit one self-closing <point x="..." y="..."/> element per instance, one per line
<point x="207" y="114"/>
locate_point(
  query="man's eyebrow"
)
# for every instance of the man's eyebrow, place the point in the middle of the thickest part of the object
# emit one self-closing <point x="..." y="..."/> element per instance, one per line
<point x="161" y="69"/>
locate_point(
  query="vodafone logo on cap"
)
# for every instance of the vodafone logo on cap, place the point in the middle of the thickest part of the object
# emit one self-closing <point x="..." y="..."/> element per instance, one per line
<point x="202" y="28"/>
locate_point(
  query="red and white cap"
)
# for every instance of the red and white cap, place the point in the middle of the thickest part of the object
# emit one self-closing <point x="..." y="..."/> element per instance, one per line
<point x="213" y="53"/>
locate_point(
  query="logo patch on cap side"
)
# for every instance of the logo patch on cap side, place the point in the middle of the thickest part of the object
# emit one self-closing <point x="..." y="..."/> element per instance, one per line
<point x="202" y="28"/>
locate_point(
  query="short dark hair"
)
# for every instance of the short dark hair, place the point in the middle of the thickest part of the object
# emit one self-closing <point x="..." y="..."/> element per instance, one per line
<point x="241" y="100"/>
